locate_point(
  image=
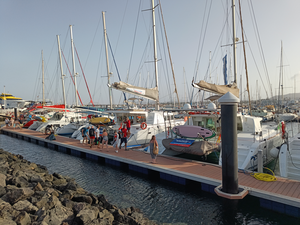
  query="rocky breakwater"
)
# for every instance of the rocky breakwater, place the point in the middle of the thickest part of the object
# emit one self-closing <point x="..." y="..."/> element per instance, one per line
<point x="30" y="195"/>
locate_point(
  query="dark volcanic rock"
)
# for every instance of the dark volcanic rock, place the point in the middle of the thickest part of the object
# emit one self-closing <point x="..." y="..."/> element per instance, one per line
<point x="30" y="195"/>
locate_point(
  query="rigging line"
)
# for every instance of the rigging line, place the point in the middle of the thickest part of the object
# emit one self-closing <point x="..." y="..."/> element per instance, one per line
<point x="71" y="76"/>
<point x="87" y="86"/>
<point x="121" y="27"/>
<point x="260" y="45"/>
<point x="115" y="64"/>
<point x="200" y="51"/>
<point x="134" y="36"/>
<point x="167" y="77"/>
<point x="37" y="75"/>
<point x="98" y="68"/>
<point x="92" y="42"/>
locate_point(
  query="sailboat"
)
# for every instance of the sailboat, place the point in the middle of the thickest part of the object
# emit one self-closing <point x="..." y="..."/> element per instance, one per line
<point x="251" y="135"/>
<point x="144" y="124"/>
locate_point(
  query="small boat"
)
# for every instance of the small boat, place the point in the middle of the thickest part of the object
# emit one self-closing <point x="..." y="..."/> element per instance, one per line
<point x="190" y="131"/>
<point x="195" y="147"/>
<point x="100" y="121"/>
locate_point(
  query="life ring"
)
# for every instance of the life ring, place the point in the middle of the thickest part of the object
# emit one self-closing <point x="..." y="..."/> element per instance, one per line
<point x="282" y="129"/>
<point x="120" y="126"/>
<point x="143" y="125"/>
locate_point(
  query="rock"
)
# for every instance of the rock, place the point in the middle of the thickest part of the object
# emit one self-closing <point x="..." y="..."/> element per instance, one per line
<point x="106" y="215"/>
<point x="23" y="219"/>
<point x="48" y="202"/>
<point x="58" y="182"/>
<point x="103" y="202"/>
<point x="2" y="191"/>
<point x="119" y="216"/>
<point x="71" y="186"/>
<point x="58" y="176"/>
<point x="82" y="198"/>
<point x="37" y="178"/>
<point x="94" y="198"/>
<point x="7" y="222"/>
<point x="86" y="216"/>
<point x="78" y="206"/>
<point x="49" y="177"/>
<point x="20" y="181"/>
<point x="38" y="187"/>
<point x="55" y="216"/>
<point x="15" y="195"/>
<point x="2" y="180"/>
<point x="25" y="206"/>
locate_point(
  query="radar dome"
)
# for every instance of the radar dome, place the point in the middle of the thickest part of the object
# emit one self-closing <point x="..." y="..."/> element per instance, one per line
<point x="187" y="106"/>
<point x="211" y="106"/>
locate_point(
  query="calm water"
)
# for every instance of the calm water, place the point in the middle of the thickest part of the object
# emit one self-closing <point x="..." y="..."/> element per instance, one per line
<point x="160" y="201"/>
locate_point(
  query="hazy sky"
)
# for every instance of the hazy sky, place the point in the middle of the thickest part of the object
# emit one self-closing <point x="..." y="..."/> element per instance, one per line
<point x="194" y="29"/>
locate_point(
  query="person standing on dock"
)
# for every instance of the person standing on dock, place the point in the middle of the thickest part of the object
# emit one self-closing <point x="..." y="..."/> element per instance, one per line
<point x="12" y="121"/>
<point x="116" y="141"/>
<point x="92" y="136"/>
<point x="84" y="132"/>
<point x="97" y="136"/>
<point x="128" y="125"/>
<point x="124" y="137"/>
<point x="152" y="144"/>
<point x="6" y="122"/>
<point x="105" y="139"/>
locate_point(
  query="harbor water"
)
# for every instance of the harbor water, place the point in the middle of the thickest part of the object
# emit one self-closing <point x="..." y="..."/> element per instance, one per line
<point x="160" y="201"/>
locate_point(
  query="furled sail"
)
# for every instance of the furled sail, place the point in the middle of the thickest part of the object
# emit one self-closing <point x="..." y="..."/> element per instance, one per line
<point x="149" y="93"/>
<point x="217" y="89"/>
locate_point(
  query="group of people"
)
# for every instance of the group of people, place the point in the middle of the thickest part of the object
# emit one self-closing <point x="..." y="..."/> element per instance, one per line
<point x="13" y="123"/>
<point x="96" y="136"/>
<point x="100" y="135"/>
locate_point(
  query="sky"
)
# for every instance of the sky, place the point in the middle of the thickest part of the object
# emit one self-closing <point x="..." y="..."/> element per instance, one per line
<point x="199" y="35"/>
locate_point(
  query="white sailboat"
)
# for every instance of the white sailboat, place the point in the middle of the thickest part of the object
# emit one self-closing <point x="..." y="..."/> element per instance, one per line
<point x="144" y="124"/>
<point x="252" y="136"/>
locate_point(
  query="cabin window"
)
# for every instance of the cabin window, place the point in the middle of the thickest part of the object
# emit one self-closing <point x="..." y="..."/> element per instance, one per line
<point x="210" y="124"/>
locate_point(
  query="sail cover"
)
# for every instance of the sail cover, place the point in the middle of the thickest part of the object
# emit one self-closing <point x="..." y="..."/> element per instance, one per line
<point x="217" y="89"/>
<point x="149" y="93"/>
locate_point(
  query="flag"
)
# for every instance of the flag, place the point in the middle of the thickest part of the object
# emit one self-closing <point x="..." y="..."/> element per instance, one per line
<point x="225" y="69"/>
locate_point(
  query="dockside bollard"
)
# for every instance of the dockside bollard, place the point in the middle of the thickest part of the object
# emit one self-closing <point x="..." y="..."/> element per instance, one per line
<point x="229" y="103"/>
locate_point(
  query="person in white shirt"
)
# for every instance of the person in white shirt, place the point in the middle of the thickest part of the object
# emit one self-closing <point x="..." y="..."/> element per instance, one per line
<point x="97" y="135"/>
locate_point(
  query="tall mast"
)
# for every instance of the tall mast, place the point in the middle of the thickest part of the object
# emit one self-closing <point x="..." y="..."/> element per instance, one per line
<point x="246" y="70"/>
<point x="234" y="42"/>
<point x="61" y="70"/>
<point x="155" y="53"/>
<point x="169" y="55"/>
<point x="74" y="71"/>
<point x="43" y="80"/>
<point x="107" y="62"/>
<point x="280" y="77"/>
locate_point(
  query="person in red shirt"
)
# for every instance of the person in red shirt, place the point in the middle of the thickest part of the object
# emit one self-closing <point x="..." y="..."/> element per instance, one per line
<point x="124" y="137"/>
<point x="128" y="125"/>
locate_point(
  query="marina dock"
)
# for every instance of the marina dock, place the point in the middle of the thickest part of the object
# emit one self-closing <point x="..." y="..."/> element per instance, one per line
<point x="282" y="196"/>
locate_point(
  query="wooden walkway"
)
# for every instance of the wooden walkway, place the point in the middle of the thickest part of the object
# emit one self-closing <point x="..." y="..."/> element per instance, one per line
<point x="283" y="191"/>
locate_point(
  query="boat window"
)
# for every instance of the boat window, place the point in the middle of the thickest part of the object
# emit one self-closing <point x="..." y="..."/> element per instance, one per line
<point x="200" y="123"/>
<point x="210" y="124"/>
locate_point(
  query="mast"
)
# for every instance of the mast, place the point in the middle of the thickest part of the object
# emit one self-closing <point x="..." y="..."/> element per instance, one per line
<point x="43" y="80"/>
<point x="169" y="55"/>
<point x="61" y="70"/>
<point x="107" y="62"/>
<point x="280" y="77"/>
<point x="234" y="42"/>
<point x="242" y="28"/>
<point x="74" y="71"/>
<point x="155" y="53"/>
